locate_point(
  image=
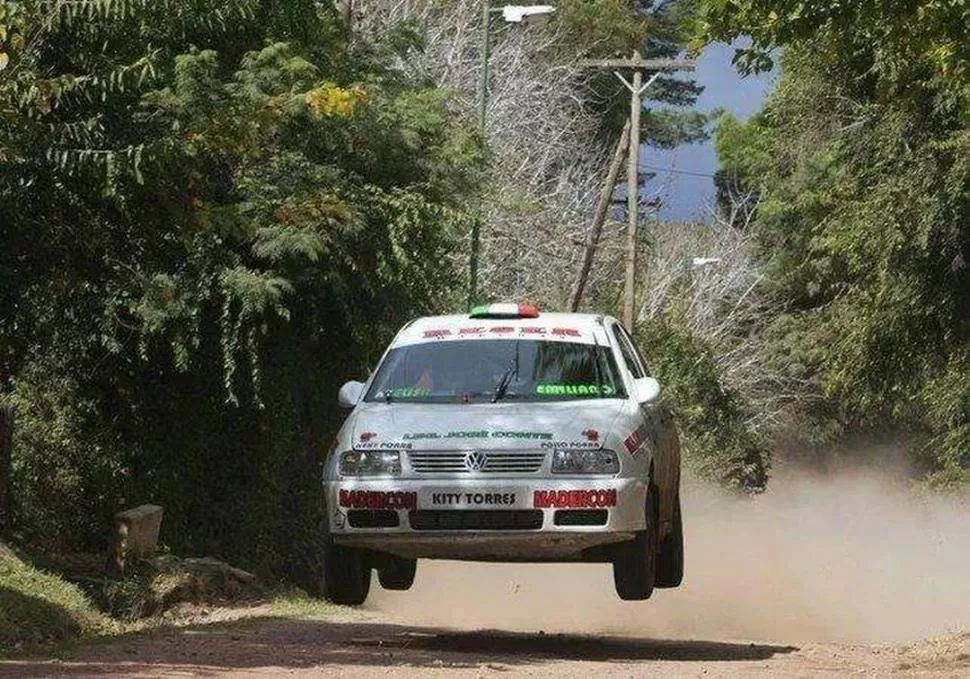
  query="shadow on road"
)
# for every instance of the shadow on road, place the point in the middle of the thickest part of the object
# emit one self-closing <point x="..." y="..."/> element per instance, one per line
<point x="295" y="644"/>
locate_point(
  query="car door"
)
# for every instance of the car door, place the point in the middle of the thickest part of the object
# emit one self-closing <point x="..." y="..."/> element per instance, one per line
<point x="660" y="422"/>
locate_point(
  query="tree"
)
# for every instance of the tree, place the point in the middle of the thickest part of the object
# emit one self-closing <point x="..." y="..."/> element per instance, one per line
<point x="201" y="241"/>
<point x="862" y="162"/>
<point x="551" y="125"/>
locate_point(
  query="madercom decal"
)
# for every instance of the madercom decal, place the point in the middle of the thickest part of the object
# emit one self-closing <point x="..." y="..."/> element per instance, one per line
<point x="377" y="499"/>
<point x="574" y="499"/>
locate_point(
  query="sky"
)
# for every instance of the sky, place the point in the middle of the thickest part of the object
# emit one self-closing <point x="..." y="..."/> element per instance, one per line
<point x="684" y="175"/>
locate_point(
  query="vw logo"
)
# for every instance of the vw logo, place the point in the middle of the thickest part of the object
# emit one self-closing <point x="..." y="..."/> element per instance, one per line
<point x="476" y="461"/>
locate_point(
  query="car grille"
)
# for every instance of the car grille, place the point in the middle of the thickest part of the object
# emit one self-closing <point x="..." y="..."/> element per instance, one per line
<point x="373" y="518"/>
<point x="476" y="519"/>
<point x="496" y="463"/>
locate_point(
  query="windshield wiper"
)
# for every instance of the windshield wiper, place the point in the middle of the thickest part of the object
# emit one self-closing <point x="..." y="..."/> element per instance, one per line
<point x="503" y="384"/>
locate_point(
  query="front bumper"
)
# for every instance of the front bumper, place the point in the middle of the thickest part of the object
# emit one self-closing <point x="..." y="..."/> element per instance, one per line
<point x="539" y="519"/>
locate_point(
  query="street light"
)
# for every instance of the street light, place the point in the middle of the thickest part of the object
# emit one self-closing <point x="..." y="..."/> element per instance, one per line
<point x="518" y="13"/>
<point x="513" y="14"/>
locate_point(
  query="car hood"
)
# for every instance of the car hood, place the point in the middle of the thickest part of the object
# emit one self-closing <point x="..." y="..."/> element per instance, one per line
<point x="485" y="426"/>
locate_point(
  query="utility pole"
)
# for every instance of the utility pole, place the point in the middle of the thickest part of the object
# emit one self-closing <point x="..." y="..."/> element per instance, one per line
<point x="632" y="196"/>
<point x="639" y="65"/>
<point x="484" y="53"/>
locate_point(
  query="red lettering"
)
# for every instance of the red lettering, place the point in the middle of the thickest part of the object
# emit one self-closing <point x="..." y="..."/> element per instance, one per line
<point x="573" y="499"/>
<point x="471" y="331"/>
<point x="503" y="329"/>
<point x="375" y="499"/>
<point x="633" y="442"/>
<point x="566" y="332"/>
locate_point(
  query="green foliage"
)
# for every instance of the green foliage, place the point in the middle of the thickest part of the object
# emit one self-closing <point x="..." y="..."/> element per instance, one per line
<point x="198" y="250"/>
<point x="37" y="607"/>
<point x="713" y="418"/>
<point x="891" y="45"/>
<point x="608" y="28"/>
<point x="862" y="163"/>
<point x="62" y="464"/>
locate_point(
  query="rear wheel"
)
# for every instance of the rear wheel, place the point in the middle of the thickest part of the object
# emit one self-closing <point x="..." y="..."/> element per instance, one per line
<point x="670" y="561"/>
<point x="397" y="573"/>
<point x="634" y="566"/>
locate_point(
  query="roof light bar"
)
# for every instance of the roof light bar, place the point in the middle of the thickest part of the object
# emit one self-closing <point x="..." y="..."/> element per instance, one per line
<point x="508" y="310"/>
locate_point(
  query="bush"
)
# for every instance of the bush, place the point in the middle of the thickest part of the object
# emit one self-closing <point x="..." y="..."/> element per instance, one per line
<point x="154" y="587"/>
<point x="713" y="418"/>
<point x="67" y="480"/>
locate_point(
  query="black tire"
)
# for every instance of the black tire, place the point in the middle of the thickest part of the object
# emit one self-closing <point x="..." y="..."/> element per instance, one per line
<point x="634" y="566"/>
<point x="346" y="578"/>
<point x="670" y="561"/>
<point x="397" y="573"/>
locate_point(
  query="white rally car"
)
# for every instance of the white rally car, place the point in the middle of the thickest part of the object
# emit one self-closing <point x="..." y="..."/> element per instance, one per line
<point x="504" y="435"/>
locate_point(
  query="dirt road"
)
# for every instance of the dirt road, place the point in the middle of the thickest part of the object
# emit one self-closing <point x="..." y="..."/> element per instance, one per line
<point x="818" y="578"/>
<point x="368" y="648"/>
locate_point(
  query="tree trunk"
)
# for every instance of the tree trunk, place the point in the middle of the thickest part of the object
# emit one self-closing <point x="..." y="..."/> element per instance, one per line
<point x="6" y="470"/>
<point x="593" y="236"/>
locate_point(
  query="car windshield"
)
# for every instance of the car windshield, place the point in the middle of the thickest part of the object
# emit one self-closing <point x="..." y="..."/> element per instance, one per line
<point x="491" y="370"/>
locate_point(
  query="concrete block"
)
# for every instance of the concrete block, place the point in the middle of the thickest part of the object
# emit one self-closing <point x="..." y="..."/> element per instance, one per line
<point x="134" y="535"/>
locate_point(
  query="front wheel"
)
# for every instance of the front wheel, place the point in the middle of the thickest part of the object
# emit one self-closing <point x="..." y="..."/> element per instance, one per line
<point x="635" y="564"/>
<point x="346" y="577"/>
<point x="670" y="562"/>
<point x="397" y="573"/>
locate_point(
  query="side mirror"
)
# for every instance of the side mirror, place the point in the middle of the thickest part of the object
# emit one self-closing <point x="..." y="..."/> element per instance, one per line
<point x="350" y="393"/>
<point x="646" y="390"/>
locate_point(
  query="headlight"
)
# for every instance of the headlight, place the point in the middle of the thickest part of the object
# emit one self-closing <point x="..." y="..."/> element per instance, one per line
<point x="585" y="462"/>
<point x="370" y="463"/>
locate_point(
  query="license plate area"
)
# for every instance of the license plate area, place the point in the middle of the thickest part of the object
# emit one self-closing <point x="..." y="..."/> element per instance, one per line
<point x="470" y="498"/>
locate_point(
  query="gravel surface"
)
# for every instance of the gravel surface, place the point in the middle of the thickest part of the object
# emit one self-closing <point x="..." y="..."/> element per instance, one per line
<point x="367" y="647"/>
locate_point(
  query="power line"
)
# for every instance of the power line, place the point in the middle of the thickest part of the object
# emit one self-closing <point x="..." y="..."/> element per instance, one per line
<point x="674" y="171"/>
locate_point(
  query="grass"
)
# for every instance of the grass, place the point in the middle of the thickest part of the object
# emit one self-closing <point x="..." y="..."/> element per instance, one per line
<point x="38" y="608"/>
<point x="297" y="604"/>
<point x="40" y="611"/>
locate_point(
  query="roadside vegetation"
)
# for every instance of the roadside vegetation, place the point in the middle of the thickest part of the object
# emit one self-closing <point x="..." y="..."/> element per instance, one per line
<point x="38" y="607"/>
<point x="859" y="166"/>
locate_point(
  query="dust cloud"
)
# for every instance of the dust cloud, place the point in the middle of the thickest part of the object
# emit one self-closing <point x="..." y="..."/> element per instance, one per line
<point x="849" y="558"/>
